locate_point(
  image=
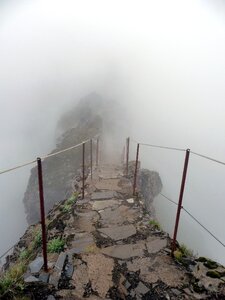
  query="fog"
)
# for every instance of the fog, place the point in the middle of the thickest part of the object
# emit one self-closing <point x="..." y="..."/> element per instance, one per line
<point x="163" y="60"/>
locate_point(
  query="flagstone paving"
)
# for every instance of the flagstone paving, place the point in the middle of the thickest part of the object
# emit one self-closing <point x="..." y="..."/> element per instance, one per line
<point x="113" y="252"/>
<point x="119" y="232"/>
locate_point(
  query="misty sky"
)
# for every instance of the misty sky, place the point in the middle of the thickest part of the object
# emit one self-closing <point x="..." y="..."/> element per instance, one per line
<point x="163" y="60"/>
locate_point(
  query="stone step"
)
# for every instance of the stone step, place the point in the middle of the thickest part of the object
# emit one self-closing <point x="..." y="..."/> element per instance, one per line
<point x="118" y="232"/>
<point x="125" y="251"/>
<point x="104" y="195"/>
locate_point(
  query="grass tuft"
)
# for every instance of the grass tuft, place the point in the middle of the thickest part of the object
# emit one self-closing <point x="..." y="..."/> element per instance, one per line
<point x="12" y="281"/>
<point x="185" y="251"/>
<point x="155" y="224"/>
<point x="69" y="203"/>
<point x="56" y="245"/>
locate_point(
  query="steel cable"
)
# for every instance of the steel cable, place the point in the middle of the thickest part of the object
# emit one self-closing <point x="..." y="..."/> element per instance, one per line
<point x="62" y="151"/>
<point x="203" y="227"/>
<point x="162" y="147"/>
<point x="168" y="199"/>
<point x="4" y="254"/>
<point x="18" y="167"/>
<point x="45" y="156"/>
<point x="157" y="146"/>
<point x="209" y="158"/>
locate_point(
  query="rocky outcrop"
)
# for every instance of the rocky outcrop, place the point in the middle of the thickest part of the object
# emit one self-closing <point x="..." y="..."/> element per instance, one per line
<point x="150" y="186"/>
<point x="91" y="117"/>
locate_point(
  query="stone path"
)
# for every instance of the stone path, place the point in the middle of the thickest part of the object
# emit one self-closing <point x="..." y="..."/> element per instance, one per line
<point x="112" y="250"/>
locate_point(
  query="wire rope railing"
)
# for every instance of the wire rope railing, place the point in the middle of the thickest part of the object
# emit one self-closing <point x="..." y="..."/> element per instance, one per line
<point x="196" y="220"/>
<point x="40" y="181"/>
<point x="183" y="181"/>
<point x="139" y="144"/>
<point x="209" y="158"/>
<point x="170" y="200"/>
<point x="204" y="227"/>
<point x="46" y="156"/>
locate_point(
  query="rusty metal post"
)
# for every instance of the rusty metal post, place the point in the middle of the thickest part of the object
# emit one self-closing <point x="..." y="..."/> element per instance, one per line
<point x="127" y="155"/>
<point x="179" y="207"/>
<point x="136" y="168"/>
<point x="42" y="210"/>
<point x="83" y="169"/>
<point x="123" y="156"/>
<point x="91" y="157"/>
<point x="97" y="151"/>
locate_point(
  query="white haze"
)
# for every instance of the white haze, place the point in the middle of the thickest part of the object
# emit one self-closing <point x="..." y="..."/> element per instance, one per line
<point x="165" y="62"/>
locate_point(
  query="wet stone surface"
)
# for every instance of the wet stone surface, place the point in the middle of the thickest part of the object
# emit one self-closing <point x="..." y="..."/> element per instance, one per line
<point x="99" y="269"/>
<point x="44" y="277"/>
<point x="103" y="195"/>
<point x="118" y="216"/>
<point x="60" y="261"/>
<point x="82" y="244"/>
<point x="109" y="184"/>
<point x="101" y="205"/>
<point x="36" y="265"/>
<point x="154" y="245"/>
<point x="118" y="232"/>
<point x="141" y="289"/>
<point x="125" y="251"/>
<point x="50" y="297"/>
<point x="159" y="268"/>
<point x="31" y="279"/>
<point x="112" y="252"/>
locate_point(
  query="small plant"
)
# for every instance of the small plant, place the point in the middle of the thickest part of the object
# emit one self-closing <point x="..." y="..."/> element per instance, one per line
<point x="12" y="280"/>
<point x="24" y="254"/>
<point x="182" y="253"/>
<point x="69" y="203"/>
<point x="37" y="239"/>
<point x="72" y="199"/>
<point x="185" y="251"/>
<point x="56" y="245"/>
<point x="66" y="208"/>
<point x="155" y="224"/>
<point x="178" y="255"/>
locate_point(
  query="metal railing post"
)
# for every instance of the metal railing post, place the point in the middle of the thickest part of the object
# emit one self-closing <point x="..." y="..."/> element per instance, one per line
<point x="91" y="157"/>
<point x="136" y="168"/>
<point x="83" y="168"/>
<point x="42" y="210"/>
<point x="179" y="207"/>
<point x="97" y="152"/>
<point x="123" y="156"/>
<point x="127" y="155"/>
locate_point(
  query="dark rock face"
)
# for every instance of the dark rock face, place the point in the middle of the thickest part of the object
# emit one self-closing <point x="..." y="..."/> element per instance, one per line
<point x="150" y="186"/>
<point x="89" y="118"/>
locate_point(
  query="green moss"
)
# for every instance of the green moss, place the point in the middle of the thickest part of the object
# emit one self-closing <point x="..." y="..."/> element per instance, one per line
<point x="178" y="255"/>
<point x="56" y="245"/>
<point x="213" y="274"/>
<point x="210" y="264"/>
<point x="155" y="224"/>
<point x="202" y="259"/>
<point x="197" y="288"/>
